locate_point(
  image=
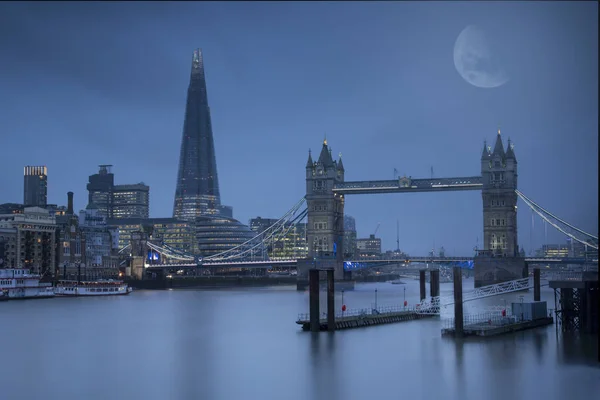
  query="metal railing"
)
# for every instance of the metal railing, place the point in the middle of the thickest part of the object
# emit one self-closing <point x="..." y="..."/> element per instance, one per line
<point x="362" y="312"/>
<point x="492" y="319"/>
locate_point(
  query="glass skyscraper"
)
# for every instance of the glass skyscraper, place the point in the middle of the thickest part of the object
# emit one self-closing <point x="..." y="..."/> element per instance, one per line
<point x="197" y="192"/>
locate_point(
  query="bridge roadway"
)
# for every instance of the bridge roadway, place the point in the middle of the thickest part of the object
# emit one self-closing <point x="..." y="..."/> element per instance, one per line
<point x="406" y="185"/>
<point x="417" y="260"/>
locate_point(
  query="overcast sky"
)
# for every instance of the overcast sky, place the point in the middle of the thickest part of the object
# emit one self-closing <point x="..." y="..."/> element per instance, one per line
<point x="83" y="84"/>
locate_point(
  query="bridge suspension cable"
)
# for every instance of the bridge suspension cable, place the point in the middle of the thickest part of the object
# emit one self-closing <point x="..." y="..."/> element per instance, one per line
<point x="542" y="213"/>
<point x="280" y="228"/>
<point x="527" y="199"/>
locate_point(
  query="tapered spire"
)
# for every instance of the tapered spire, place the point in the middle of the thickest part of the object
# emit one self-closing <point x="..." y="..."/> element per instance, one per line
<point x="325" y="157"/>
<point x="340" y="166"/>
<point x="197" y="191"/>
<point x="486" y="151"/>
<point x="309" y="163"/>
<point x="510" y="153"/>
<point x="498" y="147"/>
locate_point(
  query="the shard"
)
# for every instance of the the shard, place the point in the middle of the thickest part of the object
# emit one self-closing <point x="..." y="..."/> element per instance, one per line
<point x="197" y="192"/>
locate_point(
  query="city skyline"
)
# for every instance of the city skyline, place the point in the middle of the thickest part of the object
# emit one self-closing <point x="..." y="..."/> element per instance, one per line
<point x="267" y="113"/>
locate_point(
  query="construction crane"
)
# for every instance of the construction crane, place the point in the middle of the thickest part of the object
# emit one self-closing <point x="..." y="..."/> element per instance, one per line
<point x="376" y="229"/>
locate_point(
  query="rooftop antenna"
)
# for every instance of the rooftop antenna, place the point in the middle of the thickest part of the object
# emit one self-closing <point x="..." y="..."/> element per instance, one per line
<point x="432" y="172"/>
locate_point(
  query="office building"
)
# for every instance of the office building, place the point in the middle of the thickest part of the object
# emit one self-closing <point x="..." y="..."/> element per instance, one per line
<point x="131" y="201"/>
<point x="197" y="191"/>
<point x="117" y="201"/>
<point x="369" y="247"/>
<point x="169" y="231"/>
<point x="100" y="245"/>
<point x="100" y="189"/>
<point x="215" y="234"/>
<point x="291" y="245"/>
<point x="35" y="188"/>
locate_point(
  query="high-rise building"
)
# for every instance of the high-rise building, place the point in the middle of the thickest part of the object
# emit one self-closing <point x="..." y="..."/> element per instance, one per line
<point x="100" y="188"/>
<point x="35" y="189"/>
<point x="197" y="191"/>
<point x="117" y="201"/>
<point x="131" y="201"/>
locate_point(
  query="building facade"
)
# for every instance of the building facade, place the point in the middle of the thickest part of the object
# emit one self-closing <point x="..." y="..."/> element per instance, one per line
<point x="369" y="247"/>
<point x="117" y="201"/>
<point x="34" y="240"/>
<point x="35" y="186"/>
<point x="131" y="201"/>
<point x="499" y="177"/>
<point x="101" y="248"/>
<point x="197" y="191"/>
<point x="349" y="237"/>
<point x="291" y="245"/>
<point x="215" y="234"/>
<point x="8" y="244"/>
<point x="100" y="188"/>
<point x="70" y="246"/>
<point x="168" y="231"/>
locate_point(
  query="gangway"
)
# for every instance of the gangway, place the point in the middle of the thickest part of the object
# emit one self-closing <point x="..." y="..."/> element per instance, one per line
<point x="433" y="305"/>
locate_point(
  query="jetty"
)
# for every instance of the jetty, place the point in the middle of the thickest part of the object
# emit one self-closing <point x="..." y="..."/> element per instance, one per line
<point x="365" y="317"/>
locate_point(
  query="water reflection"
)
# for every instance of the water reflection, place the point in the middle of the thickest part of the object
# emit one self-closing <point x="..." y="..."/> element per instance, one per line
<point x="244" y="344"/>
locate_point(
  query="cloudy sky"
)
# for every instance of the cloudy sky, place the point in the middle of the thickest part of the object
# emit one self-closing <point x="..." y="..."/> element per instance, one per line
<point x="83" y="84"/>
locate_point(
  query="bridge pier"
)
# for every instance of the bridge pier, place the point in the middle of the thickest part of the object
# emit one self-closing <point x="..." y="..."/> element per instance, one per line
<point x="313" y="294"/>
<point x="536" y="285"/>
<point x="458" y="302"/>
<point x="492" y="270"/>
<point x="315" y="311"/>
<point x="434" y="282"/>
<point x="330" y="301"/>
<point x="422" y="288"/>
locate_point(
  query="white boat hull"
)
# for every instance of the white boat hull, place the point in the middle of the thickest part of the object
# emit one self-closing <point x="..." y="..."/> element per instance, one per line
<point x="29" y="293"/>
<point x="87" y="291"/>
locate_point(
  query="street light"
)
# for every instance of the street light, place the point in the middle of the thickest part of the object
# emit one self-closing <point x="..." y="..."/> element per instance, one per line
<point x="376" y="299"/>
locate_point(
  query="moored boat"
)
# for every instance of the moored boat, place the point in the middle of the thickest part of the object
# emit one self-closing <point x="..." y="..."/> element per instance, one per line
<point x="92" y="288"/>
<point x="20" y="283"/>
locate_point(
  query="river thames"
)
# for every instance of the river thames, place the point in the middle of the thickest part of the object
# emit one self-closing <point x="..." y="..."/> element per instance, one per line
<point x="243" y="343"/>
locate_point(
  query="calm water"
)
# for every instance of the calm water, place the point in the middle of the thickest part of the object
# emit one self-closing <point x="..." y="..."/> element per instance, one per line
<point x="244" y="344"/>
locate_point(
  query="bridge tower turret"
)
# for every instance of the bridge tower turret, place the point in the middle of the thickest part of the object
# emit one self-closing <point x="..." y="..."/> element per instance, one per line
<point x="499" y="178"/>
<point x="499" y="175"/>
<point x="325" y="227"/>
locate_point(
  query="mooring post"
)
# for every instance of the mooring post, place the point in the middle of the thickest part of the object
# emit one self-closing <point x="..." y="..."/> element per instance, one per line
<point x="423" y="293"/>
<point x="536" y="284"/>
<point x="313" y="295"/>
<point x="434" y="282"/>
<point x="330" y="302"/>
<point x="458" y="302"/>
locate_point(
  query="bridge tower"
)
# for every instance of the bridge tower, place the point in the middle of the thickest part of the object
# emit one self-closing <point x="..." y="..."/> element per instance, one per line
<point x="499" y="261"/>
<point x="325" y="226"/>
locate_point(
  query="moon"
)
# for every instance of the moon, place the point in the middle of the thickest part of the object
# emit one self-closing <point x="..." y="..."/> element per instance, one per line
<point x="474" y="60"/>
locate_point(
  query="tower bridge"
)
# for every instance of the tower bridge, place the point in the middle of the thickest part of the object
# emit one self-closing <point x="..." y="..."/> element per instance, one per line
<point x="323" y="208"/>
<point x="498" y="261"/>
